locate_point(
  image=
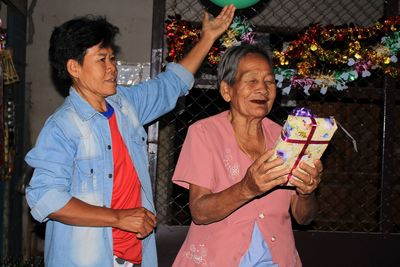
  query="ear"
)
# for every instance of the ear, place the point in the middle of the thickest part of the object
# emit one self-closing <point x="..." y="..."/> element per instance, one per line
<point x="73" y="67"/>
<point x="225" y="91"/>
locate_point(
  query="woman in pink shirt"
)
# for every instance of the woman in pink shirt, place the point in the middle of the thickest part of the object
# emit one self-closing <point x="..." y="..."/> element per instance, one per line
<point x="240" y="213"/>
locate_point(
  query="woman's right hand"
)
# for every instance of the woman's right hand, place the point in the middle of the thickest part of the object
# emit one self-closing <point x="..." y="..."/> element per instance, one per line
<point x="261" y="175"/>
<point x="215" y="27"/>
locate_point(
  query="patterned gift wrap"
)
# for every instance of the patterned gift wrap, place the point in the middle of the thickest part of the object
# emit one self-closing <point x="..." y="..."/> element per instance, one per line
<point x="303" y="138"/>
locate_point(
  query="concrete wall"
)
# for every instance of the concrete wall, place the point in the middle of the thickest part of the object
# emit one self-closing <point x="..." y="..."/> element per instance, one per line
<point x="133" y="17"/>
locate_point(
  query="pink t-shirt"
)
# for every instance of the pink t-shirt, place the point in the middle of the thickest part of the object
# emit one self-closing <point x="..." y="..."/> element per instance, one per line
<point x="211" y="158"/>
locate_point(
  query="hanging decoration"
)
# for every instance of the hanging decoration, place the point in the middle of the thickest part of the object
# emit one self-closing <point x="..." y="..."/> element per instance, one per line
<point x="8" y="75"/>
<point x="181" y="36"/>
<point x="9" y="142"/>
<point x="324" y="57"/>
<point x="320" y="57"/>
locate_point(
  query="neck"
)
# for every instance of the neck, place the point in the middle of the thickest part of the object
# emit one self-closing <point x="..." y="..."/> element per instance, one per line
<point x="249" y="135"/>
<point x="97" y="102"/>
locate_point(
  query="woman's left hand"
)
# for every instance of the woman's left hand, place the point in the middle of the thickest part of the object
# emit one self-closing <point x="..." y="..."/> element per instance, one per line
<point x="309" y="177"/>
<point x="213" y="28"/>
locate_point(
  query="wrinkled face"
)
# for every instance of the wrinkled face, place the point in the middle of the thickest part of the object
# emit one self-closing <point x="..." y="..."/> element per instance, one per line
<point x="254" y="91"/>
<point x="95" y="79"/>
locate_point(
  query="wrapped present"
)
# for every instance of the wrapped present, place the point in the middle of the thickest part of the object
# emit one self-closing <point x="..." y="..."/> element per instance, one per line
<point x="304" y="137"/>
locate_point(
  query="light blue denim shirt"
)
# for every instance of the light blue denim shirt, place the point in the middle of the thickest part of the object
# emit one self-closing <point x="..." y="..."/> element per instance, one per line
<point x="73" y="158"/>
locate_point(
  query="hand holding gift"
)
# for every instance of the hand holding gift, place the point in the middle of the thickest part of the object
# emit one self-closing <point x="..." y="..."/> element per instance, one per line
<point x="301" y="144"/>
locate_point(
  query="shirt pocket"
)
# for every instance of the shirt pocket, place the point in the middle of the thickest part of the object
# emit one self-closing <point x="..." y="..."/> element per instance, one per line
<point x="86" y="183"/>
<point x="138" y="146"/>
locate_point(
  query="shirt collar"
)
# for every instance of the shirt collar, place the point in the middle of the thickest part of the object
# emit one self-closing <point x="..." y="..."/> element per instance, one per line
<point x="84" y="109"/>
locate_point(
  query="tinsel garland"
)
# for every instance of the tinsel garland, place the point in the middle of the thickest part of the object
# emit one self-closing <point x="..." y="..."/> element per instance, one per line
<point x="182" y="35"/>
<point x="320" y="57"/>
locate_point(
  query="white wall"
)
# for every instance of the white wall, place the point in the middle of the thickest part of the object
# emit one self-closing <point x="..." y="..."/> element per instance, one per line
<point x="133" y="17"/>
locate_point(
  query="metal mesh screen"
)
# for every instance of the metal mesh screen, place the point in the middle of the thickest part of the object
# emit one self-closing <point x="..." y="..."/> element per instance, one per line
<point x="353" y="196"/>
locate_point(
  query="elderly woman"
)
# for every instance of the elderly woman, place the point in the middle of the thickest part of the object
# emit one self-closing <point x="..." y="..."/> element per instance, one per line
<point x="91" y="183"/>
<point x="240" y="213"/>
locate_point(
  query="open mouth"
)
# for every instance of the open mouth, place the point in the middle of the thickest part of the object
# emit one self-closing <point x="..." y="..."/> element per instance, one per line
<point x="113" y="80"/>
<point x="259" y="102"/>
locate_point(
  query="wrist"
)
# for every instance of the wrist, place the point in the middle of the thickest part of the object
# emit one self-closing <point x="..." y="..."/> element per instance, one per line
<point x="305" y="195"/>
<point x="208" y="38"/>
<point x="114" y="218"/>
<point x="245" y="190"/>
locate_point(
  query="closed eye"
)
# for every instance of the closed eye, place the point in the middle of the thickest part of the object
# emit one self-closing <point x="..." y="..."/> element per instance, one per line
<point x="269" y="83"/>
<point x="251" y="81"/>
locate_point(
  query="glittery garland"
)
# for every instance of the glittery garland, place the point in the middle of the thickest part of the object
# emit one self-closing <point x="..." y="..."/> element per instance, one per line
<point x="182" y="35"/>
<point x="10" y="74"/>
<point x="329" y="56"/>
<point x="320" y="58"/>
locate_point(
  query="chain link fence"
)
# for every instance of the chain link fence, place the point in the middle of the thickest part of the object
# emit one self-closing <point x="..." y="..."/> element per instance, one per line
<point x="359" y="190"/>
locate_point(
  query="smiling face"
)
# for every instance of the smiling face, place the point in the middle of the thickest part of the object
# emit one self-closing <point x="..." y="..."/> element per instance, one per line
<point x="253" y="93"/>
<point x="95" y="78"/>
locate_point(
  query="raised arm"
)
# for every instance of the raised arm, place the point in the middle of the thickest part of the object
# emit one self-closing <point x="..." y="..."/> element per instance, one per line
<point x="211" y="31"/>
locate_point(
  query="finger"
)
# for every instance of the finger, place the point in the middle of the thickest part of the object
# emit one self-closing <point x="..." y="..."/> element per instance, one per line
<point x="145" y="229"/>
<point x="206" y="17"/>
<point x="318" y="165"/>
<point x="227" y="13"/>
<point x="143" y="234"/>
<point x="278" y="181"/>
<point x="311" y="170"/>
<point x="266" y="156"/>
<point x="222" y="13"/>
<point x="231" y="10"/>
<point x="231" y="13"/>
<point x="301" y="186"/>
<point x="278" y="172"/>
<point x="151" y="218"/>
<point x="302" y="176"/>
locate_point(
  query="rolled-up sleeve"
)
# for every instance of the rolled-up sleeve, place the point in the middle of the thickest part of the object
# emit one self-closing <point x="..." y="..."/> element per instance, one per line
<point x="183" y="74"/>
<point x="50" y="202"/>
<point x="49" y="187"/>
<point x="155" y="97"/>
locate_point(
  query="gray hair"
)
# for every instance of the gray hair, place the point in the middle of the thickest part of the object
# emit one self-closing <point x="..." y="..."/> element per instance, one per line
<point x="227" y="67"/>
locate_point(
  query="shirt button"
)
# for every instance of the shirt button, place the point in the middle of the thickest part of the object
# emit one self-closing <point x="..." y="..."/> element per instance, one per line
<point x="109" y="147"/>
<point x="109" y="175"/>
<point x="273" y="238"/>
<point x="143" y="138"/>
<point x="261" y="215"/>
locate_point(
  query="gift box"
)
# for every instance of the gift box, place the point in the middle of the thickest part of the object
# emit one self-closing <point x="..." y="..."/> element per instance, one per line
<point x="304" y="137"/>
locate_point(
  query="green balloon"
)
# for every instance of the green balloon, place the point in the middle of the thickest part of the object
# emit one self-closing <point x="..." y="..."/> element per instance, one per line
<point x="237" y="3"/>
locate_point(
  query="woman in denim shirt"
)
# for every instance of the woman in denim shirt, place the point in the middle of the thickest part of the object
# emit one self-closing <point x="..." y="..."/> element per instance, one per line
<point x="91" y="182"/>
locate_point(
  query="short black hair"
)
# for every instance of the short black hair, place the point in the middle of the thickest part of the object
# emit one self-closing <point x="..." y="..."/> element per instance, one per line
<point x="72" y="39"/>
<point x="227" y="67"/>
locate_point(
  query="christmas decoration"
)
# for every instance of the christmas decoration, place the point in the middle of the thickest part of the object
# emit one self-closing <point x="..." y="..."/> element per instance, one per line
<point x="318" y="59"/>
<point x="181" y="36"/>
<point x="9" y="72"/>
